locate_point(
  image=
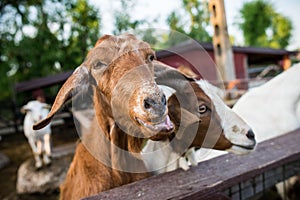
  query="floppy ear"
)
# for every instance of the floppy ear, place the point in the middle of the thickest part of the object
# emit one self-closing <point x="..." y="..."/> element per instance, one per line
<point x="166" y="75"/>
<point x="187" y="119"/>
<point x="182" y="118"/>
<point x="77" y="82"/>
<point x="25" y="109"/>
<point x="46" y="106"/>
<point x="187" y="71"/>
<point x="187" y="125"/>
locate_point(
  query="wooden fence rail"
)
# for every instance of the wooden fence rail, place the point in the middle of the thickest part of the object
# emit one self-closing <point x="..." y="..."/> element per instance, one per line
<point x="237" y="177"/>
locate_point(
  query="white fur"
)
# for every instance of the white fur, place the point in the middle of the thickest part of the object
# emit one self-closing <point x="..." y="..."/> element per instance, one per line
<point x="272" y="109"/>
<point x="39" y="140"/>
<point x="159" y="157"/>
<point x="230" y="120"/>
<point x="167" y="90"/>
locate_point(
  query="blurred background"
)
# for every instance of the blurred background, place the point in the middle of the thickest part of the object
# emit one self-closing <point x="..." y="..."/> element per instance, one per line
<point x="42" y="41"/>
<point x="41" y="38"/>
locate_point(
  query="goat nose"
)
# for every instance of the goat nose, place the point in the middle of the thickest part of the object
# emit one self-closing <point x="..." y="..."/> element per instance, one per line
<point x="164" y="100"/>
<point x="156" y="105"/>
<point x="250" y="135"/>
<point x="148" y="103"/>
<point x="151" y="103"/>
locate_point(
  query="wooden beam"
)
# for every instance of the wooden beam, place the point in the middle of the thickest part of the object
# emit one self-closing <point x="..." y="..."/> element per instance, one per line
<point x="214" y="176"/>
<point x="42" y="82"/>
<point x="222" y="47"/>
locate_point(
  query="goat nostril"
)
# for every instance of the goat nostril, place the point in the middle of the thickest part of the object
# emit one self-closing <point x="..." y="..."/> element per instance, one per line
<point x="147" y="103"/>
<point x="155" y="104"/>
<point x="163" y="100"/>
<point x="250" y="134"/>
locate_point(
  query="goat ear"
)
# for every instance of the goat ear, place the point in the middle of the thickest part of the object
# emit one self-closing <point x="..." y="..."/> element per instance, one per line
<point x="166" y="75"/>
<point x="46" y="106"/>
<point x="187" y="119"/>
<point x="24" y="109"/>
<point x="181" y="117"/>
<point x="77" y="82"/>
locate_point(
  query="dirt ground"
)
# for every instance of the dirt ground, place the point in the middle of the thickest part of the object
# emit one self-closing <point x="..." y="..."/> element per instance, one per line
<point x="17" y="149"/>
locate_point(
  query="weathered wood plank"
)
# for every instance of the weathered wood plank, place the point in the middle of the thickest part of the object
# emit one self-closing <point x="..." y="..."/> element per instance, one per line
<point x="263" y="182"/>
<point x="214" y="176"/>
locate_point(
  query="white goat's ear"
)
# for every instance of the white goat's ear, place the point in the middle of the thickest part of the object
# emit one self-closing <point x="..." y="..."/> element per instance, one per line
<point x="77" y="82"/>
<point x="46" y="106"/>
<point x="25" y="109"/>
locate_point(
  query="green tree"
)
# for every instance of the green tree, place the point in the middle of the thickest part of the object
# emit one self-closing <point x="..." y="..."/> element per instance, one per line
<point x="39" y="38"/>
<point x="123" y="22"/>
<point x="262" y="26"/>
<point x="85" y="30"/>
<point x="123" y="19"/>
<point x="198" y="20"/>
<point x="281" y="31"/>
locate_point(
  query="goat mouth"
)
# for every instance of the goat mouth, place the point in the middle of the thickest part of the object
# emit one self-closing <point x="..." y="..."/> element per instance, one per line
<point x="164" y="126"/>
<point x="245" y="147"/>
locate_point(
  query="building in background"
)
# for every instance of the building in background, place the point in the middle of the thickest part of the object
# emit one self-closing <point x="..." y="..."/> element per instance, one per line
<point x="248" y="61"/>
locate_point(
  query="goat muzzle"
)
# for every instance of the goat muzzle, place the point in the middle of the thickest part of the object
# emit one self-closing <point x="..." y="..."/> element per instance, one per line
<point x="163" y="128"/>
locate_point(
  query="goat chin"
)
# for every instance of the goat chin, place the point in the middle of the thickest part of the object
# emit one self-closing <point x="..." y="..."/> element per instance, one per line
<point x="239" y="150"/>
<point x="165" y="126"/>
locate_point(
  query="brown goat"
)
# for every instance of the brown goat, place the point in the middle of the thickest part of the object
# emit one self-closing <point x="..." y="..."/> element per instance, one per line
<point x="201" y="119"/>
<point x="217" y="126"/>
<point x="128" y="108"/>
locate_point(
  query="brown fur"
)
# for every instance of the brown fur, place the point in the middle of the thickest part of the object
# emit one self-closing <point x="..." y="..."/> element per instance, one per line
<point x="187" y="71"/>
<point x="87" y="175"/>
<point x="190" y="96"/>
<point x="209" y="120"/>
<point x="122" y="76"/>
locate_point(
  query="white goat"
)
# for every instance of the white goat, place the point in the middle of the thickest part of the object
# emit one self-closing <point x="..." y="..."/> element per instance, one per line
<point x="39" y="140"/>
<point x="272" y="109"/>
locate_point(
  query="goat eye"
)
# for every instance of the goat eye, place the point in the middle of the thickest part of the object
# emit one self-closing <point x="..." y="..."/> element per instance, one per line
<point x="150" y="58"/>
<point x="99" y="64"/>
<point x="202" y="109"/>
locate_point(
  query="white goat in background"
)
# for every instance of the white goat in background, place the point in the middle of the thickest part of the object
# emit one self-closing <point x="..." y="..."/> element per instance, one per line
<point x="271" y="109"/>
<point x="39" y="140"/>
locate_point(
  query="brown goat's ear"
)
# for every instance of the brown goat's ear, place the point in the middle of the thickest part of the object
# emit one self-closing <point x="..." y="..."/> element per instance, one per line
<point x="187" y="119"/>
<point x="166" y="75"/>
<point x="187" y="72"/>
<point x="180" y="116"/>
<point x="77" y="82"/>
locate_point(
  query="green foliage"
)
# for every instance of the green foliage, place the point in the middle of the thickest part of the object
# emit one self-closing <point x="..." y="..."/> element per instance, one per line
<point x="199" y="17"/>
<point x="262" y="26"/>
<point x="123" y="20"/>
<point x="281" y="28"/>
<point x="174" y="22"/>
<point x="39" y="38"/>
<point x="198" y="20"/>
